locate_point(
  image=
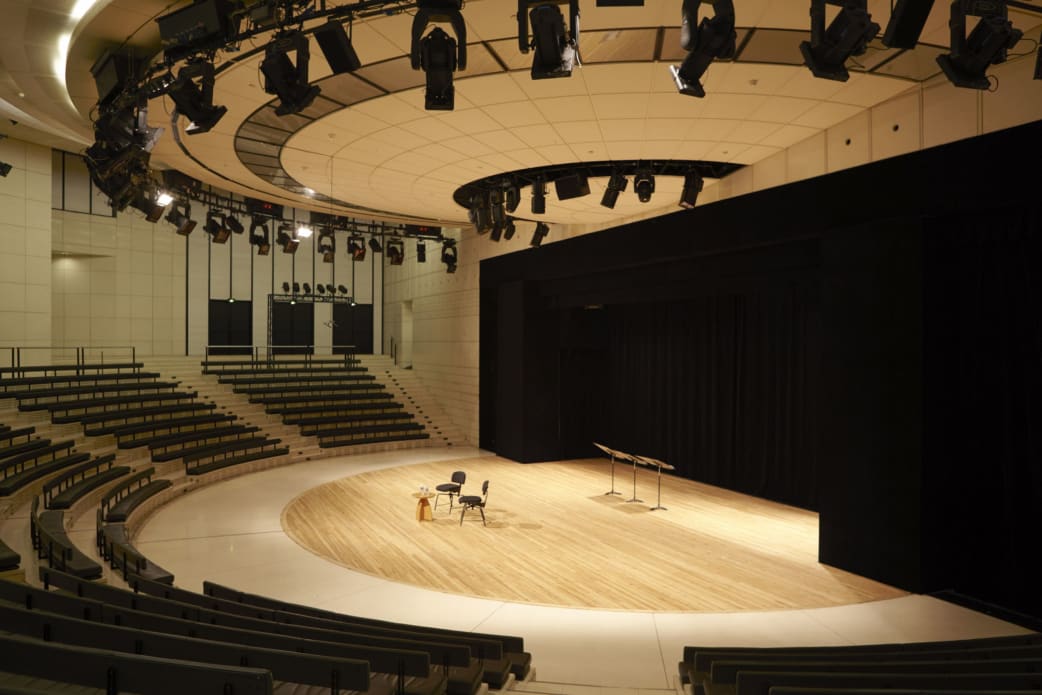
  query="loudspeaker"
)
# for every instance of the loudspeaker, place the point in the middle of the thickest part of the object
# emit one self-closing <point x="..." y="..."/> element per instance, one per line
<point x="337" y="48"/>
<point x="572" y="186"/>
<point x="906" y="23"/>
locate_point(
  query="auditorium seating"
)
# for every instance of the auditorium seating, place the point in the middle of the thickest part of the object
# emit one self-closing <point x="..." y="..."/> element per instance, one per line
<point x="149" y="615"/>
<point x="52" y="543"/>
<point x="114" y="546"/>
<point x="992" y="664"/>
<point x="121" y="500"/>
<point x="64" y="490"/>
<point x="37" y="459"/>
<point x="333" y="399"/>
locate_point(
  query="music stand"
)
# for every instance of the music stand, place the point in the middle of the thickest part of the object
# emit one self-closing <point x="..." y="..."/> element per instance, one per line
<point x="612" y="453"/>
<point x="648" y="461"/>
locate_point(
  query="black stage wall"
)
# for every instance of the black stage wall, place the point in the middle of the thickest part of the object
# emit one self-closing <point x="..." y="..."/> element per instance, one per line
<point x="867" y="344"/>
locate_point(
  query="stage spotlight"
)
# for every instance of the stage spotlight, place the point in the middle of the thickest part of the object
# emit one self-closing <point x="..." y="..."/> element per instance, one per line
<point x="907" y="20"/>
<point x="848" y="35"/>
<point x="511" y="197"/>
<point x="285" y="287"/>
<point x="374" y="244"/>
<point x="341" y="289"/>
<point x="232" y="223"/>
<point x="307" y="288"/>
<point x="437" y="53"/>
<point x="296" y="288"/>
<point x="539" y="197"/>
<point x="395" y="251"/>
<point x="284" y="239"/>
<point x="449" y="255"/>
<point x="336" y="47"/>
<point x="163" y="199"/>
<point x="509" y="229"/>
<point x="5" y="169"/>
<point x="541" y="230"/>
<point x="259" y="236"/>
<point x="498" y="214"/>
<point x="330" y="289"/>
<point x="479" y="214"/>
<point x="284" y="80"/>
<point x="421" y="252"/>
<point x="304" y="231"/>
<point x="149" y="203"/>
<point x="616" y="185"/>
<point x="356" y="248"/>
<point x="180" y="216"/>
<point x="555" y="46"/>
<point x="321" y="288"/>
<point x="218" y="232"/>
<point x="326" y="246"/>
<point x="713" y="38"/>
<point x="692" y="187"/>
<point x="987" y="44"/>
<point x="194" y="100"/>
<point x="438" y="60"/>
<point x="644" y="185"/>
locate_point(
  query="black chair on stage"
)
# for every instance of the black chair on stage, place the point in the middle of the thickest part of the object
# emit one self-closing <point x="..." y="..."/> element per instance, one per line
<point x="451" y="489"/>
<point x="474" y="502"/>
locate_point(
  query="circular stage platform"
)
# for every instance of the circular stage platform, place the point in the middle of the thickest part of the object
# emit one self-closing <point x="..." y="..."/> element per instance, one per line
<point x="554" y="537"/>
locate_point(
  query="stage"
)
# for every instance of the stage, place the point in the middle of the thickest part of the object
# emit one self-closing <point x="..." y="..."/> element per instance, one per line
<point x="554" y="538"/>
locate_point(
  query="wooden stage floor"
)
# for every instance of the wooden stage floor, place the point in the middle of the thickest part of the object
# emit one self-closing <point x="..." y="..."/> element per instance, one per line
<point x="554" y="538"/>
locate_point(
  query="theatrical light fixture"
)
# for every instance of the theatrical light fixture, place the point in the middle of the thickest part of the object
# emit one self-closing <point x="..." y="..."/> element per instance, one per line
<point x="180" y="215"/>
<point x="330" y="288"/>
<point x="259" y="236"/>
<point x="539" y="197"/>
<point x="296" y="288"/>
<point x="555" y="46"/>
<point x="713" y="38"/>
<point x="149" y="203"/>
<point x="509" y="229"/>
<point x="692" y="187"/>
<point x="284" y="239"/>
<point x="304" y="231"/>
<point x="307" y="288"/>
<point x="374" y="244"/>
<point x="284" y="80"/>
<point x="340" y="288"/>
<point x="356" y="248"/>
<point x="479" y="214"/>
<point x="326" y="246"/>
<point x="498" y="214"/>
<point x="541" y="230"/>
<point x="437" y="53"/>
<point x="285" y="287"/>
<point x="233" y="224"/>
<point x="644" y="184"/>
<point x="616" y="185"/>
<point x="986" y="45"/>
<point x="421" y="252"/>
<point x="449" y="255"/>
<point x="848" y="35"/>
<point x="163" y="199"/>
<point x="907" y="20"/>
<point x="395" y="251"/>
<point x="321" y="288"/>
<point x="194" y="100"/>
<point x="511" y="197"/>
<point x="218" y="232"/>
<point x="5" y="169"/>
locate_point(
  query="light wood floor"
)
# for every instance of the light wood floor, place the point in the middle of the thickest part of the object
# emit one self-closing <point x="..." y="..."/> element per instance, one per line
<point x="554" y="538"/>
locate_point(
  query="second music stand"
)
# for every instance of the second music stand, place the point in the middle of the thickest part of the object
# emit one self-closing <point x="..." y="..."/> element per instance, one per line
<point x="613" y="454"/>
<point x="648" y="461"/>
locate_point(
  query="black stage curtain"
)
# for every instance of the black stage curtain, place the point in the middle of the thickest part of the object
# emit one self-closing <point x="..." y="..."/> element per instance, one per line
<point x="722" y="388"/>
<point x="983" y="358"/>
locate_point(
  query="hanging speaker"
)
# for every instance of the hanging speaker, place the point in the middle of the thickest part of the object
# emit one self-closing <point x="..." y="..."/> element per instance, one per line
<point x="906" y="23"/>
<point x="572" y="186"/>
<point x="337" y="48"/>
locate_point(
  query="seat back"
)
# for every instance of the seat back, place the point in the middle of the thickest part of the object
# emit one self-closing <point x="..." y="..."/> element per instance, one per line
<point x="484" y="493"/>
<point x="459" y="477"/>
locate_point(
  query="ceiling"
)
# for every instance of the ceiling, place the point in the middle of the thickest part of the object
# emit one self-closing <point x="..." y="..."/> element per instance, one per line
<point x="368" y="149"/>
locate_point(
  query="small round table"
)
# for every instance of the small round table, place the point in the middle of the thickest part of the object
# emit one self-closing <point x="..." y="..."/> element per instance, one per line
<point x="423" y="506"/>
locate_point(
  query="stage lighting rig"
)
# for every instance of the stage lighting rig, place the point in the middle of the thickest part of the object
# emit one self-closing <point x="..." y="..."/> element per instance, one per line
<point x="437" y="53"/>
<point x="216" y="228"/>
<point x="151" y="202"/>
<point x="556" y="46"/>
<point x="541" y="230"/>
<point x="644" y="184"/>
<point x="180" y="216"/>
<point x="449" y="255"/>
<point x="194" y="100"/>
<point x="713" y="38"/>
<point x="479" y="214"/>
<point x="286" y="240"/>
<point x="356" y="248"/>
<point x="396" y="251"/>
<point x="692" y="187"/>
<point x="290" y="83"/>
<point x="260" y="236"/>
<point x="375" y="245"/>
<point x="509" y="229"/>
<point x="848" y="35"/>
<point x="326" y="245"/>
<point x="986" y="45"/>
<point x="616" y="185"/>
<point x="539" y="196"/>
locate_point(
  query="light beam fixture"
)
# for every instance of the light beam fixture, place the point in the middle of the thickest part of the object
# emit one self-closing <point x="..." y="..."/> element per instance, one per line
<point x="987" y="44"/>
<point x="284" y="80"/>
<point x="539" y="196"/>
<point x="555" y="46"/>
<point x="449" y="255"/>
<point x="356" y="248"/>
<point x="194" y="100"/>
<point x="260" y="236"/>
<point x="395" y="251"/>
<point x="437" y="53"/>
<point x="848" y="35"/>
<point x="509" y="229"/>
<point x="218" y="232"/>
<point x="287" y="241"/>
<point x="644" y="184"/>
<point x="336" y="47"/>
<point x="616" y="185"/>
<point x="180" y="215"/>
<point x="541" y="230"/>
<point x="421" y="251"/>
<point x="713" y="38"/>
<point x="374" y="244"/>
<point x="692" y="187"/>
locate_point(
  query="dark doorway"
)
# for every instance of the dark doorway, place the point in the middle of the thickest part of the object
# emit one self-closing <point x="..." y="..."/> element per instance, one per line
<point x="292" y="328"/>
<point x="231" y="324"/>
<point x="353" y="325"/>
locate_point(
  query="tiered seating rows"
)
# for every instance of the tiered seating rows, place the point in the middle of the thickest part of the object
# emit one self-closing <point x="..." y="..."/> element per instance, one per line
<point x="423" y="661"/>
<point x="993" y="664"/>
<point x="47" y="532"/>
<point x="333" y="400"/>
